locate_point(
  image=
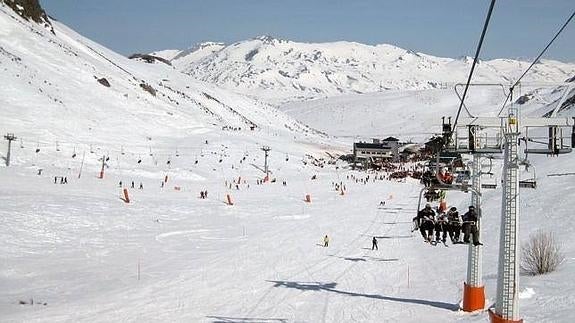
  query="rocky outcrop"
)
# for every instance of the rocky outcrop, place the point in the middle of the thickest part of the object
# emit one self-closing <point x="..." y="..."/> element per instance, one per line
<point x="30" y="10"/>
<point x="104" y="82"/>
<point x="150" y="58"/>
<point x="148" y="88"/>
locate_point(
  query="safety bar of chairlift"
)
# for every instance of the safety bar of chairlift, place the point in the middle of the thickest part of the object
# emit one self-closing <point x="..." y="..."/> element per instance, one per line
<point x="489" y="186"/>
<point x="528" y="184"/>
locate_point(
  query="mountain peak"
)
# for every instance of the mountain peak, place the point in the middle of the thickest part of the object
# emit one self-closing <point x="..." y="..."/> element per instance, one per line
<point x="205" y="44"/>
<point x="208" y="46"/>
<point x="268" y="39"/>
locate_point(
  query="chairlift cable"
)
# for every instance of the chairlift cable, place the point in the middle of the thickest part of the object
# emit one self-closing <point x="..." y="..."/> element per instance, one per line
<point x="537" y="59"/>
<point x="475" y="59"/>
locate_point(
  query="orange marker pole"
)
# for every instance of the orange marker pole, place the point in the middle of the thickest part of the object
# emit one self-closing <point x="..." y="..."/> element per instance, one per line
<point x="126" y="196"/>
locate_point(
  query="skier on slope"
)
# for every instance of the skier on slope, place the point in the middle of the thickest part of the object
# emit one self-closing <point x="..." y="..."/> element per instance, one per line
<point x="454" y="224"/>
<point x="470" y="226"/>
<point x="326" y="241"/>
<point x="426" y="220"/>
<point x="374" y="244"/>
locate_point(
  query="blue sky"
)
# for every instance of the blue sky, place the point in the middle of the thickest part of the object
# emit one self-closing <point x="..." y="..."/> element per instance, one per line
<point x="450" y="28"/>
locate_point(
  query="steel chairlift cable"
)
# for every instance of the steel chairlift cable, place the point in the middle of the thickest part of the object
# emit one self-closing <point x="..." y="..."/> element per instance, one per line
<point x="475" y="59"/>
<point x="536" y="60"/>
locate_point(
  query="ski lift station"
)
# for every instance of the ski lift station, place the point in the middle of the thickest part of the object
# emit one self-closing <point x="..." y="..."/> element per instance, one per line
<point x="377" y="151"/>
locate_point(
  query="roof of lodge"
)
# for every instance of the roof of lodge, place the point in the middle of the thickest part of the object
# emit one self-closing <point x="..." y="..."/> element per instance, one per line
<point x="366" y="145"/>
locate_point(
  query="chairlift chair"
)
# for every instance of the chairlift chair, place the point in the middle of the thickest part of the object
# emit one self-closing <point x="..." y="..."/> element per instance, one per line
<point x="491" y="183"/>
<point x="531" y="181"/>
<point x="440" y="185"/>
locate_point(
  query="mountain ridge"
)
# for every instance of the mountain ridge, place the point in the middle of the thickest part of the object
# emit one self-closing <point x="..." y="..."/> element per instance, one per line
<point x="279" y="70"/>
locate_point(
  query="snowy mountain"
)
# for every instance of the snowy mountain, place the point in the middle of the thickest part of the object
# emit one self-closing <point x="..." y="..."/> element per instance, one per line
<point x="281" y="70"/>
<point x="252" y="251"/>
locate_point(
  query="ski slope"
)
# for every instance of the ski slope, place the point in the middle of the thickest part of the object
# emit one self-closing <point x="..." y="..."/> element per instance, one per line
<point x="77" y="247"/>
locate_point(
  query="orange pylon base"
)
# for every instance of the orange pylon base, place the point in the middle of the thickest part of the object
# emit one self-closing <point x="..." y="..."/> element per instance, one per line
<point x="494" y="318"/>
<point x="473" y="298"/>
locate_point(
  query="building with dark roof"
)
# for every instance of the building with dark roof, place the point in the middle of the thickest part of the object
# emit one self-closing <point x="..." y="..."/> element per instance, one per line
<point x="376" y="151"/>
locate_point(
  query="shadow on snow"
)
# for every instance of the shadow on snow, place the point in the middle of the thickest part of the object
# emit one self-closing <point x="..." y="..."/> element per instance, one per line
<point x="331" y="287"/>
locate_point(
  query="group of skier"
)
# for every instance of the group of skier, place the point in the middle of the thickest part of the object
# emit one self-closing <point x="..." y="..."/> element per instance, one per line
<point x="63" y="179"/>
<point x="447" y="223"/>
<point x="373" y="242"/>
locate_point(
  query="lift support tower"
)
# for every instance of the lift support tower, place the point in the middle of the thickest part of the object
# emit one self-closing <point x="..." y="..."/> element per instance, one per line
<point x="494" y="135"/>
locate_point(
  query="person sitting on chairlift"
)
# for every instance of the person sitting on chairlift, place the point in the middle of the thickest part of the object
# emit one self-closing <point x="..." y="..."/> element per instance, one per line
<point x="470" y="226"/>
<point x="454" y="224"/>
<point x="426" y="222"/>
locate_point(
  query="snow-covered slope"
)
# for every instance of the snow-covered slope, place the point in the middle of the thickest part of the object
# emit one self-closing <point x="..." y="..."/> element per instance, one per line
<point x="62" y="86"/>
<point x="281" y="70"/>
<point x="417" y="114"/>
